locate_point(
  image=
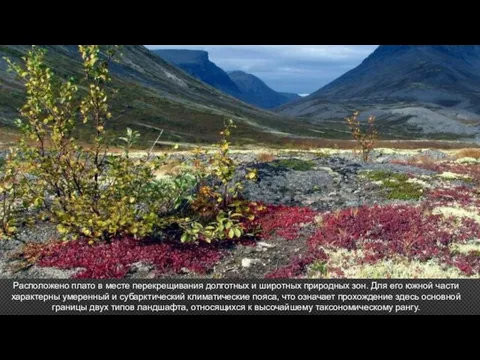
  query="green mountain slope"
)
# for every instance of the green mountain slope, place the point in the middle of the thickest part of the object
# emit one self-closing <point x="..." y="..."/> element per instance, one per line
<point x="153" y="94"/>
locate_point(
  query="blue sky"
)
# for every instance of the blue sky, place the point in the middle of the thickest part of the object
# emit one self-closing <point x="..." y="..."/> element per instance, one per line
<point x="300" y="69"/>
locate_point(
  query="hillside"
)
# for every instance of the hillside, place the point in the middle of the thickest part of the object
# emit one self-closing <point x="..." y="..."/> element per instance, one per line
<point x="243" y="86"/>
<point x="414" y="90"/>
<point x="152" y="93"/>
<point x="255" y="91"/>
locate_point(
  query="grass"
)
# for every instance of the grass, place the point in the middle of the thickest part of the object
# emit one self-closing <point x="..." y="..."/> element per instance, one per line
<point x="294" y="164"/>
<point x="396" y="185"/>
<point x="2" y="162"/>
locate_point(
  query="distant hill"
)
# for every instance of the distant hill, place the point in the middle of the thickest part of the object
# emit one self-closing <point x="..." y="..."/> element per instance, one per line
<point x="152" y="94"/>
<point x="255" y="91"/>
<point x="412" y="89"/>
<point x="243" y="86"/>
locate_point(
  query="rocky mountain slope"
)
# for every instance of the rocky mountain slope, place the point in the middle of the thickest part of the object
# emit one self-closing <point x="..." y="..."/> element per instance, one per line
<point x="422" y="90"/>
<point x="243" y="86"/>
<point x="254" y="91"/>
<point x="152" y="94"/>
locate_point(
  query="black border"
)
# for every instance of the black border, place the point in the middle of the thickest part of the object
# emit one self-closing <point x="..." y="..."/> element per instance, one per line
<point x="241" y="23"/>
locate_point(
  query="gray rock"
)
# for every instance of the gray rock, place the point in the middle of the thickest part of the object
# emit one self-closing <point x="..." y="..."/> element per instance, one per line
<point x="246" y="262"/>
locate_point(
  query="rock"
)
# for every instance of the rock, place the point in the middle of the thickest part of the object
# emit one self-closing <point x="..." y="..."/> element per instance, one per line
<point x="265" y="244"/>
<point x="246" y="262"/>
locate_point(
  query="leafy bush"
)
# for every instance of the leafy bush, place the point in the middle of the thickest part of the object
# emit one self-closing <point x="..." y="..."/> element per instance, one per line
<point x="10" y="198"/>
<point x="218" y="211"/>
<point x="90" y="193"/>
<point x="367" y="138"/>
<point x="83" y="190"/>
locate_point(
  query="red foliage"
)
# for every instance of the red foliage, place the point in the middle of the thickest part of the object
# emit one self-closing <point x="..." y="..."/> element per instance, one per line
<point x="297" y="266"/>
<point x="462" y="195"/>
<point x="284" y="221"/>
<point x="392" y="230"/>
<point x="115" y="260"/>
<point x="472" y="170"/>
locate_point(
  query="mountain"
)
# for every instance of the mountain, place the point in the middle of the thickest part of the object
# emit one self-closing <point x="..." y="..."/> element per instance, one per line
<point x="197" y="64"/>
<point x="412" y="89"/>
<point x="152" y="94"/>
<point x="254" y="91"/>
<point x="243" y="86"/>
<point x="290" y="96"/>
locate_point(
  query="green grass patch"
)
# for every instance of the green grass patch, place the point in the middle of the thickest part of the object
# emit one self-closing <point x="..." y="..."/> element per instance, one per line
<point x="294" y="164"/>
<point x="396" y="185"/>
<point x="2" y="162"/>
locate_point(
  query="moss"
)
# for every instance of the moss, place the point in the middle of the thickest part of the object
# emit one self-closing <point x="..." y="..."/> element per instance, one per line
<point x="395" y="268"/>
<point x="380" y="175"/>
<point x="398" y="186"/>
<point x="294" y="164"/>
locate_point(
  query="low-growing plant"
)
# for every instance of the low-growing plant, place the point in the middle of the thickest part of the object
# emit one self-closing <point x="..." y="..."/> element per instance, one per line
<point x="218" y="211"/>
<point x="396" y="185"/>
<point x="366" y="139"/>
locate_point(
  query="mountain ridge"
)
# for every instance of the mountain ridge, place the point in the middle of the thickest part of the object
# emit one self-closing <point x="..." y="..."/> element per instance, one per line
<point x="243" y="86"/>
<point x="153" y="95"/>
<point x="429" y="89"/>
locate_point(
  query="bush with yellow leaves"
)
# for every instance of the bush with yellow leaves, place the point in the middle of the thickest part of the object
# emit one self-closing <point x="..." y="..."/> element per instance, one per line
<point x="365" y="139"/>
<point x="218" y="211"/>
<point x="84" y="191"/>
<point x="88" y="193"/>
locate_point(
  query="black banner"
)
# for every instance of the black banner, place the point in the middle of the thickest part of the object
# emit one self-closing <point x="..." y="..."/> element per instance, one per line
<point x="259" y="297"/>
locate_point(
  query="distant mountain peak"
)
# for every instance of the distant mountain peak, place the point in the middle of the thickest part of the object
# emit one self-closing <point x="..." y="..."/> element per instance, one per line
<point x="197" y="64"/>
<point x="243" y="86"/>
<point x="414" y="88"/>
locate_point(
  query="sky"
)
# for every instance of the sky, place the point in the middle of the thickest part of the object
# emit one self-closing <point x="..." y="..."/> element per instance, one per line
<point x="300" y="69"/>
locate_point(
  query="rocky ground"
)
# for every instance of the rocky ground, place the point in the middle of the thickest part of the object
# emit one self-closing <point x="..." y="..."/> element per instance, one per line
<point x="328" y="215"/>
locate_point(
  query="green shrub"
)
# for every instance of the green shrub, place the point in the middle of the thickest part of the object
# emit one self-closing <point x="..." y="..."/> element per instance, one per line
<point x="82" y="190"/>
<point x="10" y="198"/>
<point x="218" y="212"/>
<point x="89" y="193"/>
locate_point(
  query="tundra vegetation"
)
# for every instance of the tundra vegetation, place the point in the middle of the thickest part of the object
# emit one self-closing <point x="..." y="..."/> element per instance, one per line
<point x="412" y="214"/>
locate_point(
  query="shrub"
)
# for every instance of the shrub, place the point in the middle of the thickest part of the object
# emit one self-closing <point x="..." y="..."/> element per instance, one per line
<point x="84" y="191"/>
<point x="218" y="211"/>
<point x="367" y="138"/>
<point x="10" y="199"/>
